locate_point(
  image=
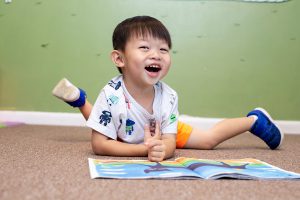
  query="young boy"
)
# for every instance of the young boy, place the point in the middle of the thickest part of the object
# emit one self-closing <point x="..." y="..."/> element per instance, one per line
<point x="136" y="114"/>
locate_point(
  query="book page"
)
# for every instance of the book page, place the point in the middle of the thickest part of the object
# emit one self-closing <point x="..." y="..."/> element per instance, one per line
<point x="138" y="169"/>
<point x="247" y="168"/>
<point x="187" y="168"/>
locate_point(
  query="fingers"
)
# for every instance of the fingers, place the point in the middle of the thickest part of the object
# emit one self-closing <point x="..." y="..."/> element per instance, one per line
<point x="156" y="150"/>
<point x="152" y="143"/>
<point x="157" y="134"/>
<point x="147" y="132"/>
<point x="156" y="147"/>
<point x="156" y="157"/>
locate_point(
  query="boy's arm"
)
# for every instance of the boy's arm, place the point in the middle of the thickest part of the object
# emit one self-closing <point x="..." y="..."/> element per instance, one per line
<point x="105" y="146"/>
<point x="170" y="141"/>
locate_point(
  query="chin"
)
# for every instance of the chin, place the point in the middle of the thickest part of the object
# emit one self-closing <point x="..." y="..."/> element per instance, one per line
<point x="153" y="81"/>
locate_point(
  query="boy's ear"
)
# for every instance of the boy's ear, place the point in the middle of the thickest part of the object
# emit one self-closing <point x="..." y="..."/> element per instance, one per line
<point x="117" y="58"/>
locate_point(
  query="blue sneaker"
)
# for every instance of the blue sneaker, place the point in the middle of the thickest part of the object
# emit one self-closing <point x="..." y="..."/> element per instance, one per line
<point x="265" y="128"/>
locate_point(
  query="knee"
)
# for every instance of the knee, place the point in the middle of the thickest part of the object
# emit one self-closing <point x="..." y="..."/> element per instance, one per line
<point x="209" y="144"/>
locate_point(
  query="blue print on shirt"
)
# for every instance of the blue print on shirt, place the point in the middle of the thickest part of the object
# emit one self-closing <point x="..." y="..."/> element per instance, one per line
<point x="114" y="85"/>
<point x="105" y="117"/>
<point x="112" y="99"/>
<point x="129" y="126"/>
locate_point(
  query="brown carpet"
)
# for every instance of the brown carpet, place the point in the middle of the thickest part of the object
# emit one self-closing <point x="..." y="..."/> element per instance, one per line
<point x="49" y="162"/>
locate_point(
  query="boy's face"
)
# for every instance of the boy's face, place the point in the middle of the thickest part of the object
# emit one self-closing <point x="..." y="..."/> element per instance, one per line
<point x="146" y="60"/>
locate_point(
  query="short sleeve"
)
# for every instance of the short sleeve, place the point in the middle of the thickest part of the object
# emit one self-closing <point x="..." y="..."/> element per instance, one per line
<point x="170" y="110"/>
<point x="101" y="117"/>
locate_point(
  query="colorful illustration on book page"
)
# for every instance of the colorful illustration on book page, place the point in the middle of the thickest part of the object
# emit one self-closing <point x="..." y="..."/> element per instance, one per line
<point x="247" y="168"/>
<point x="188" y="168"/>
<point x="137" y="169"/>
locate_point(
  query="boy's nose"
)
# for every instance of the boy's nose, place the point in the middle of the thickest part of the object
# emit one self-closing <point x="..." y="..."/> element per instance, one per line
<point x="155" y="55"/>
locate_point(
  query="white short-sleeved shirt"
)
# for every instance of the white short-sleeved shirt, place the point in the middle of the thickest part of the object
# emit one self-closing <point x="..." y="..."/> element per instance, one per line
<point x="118" y="116"/>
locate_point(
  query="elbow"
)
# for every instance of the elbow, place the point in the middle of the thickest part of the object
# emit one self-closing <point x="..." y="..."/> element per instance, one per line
<point x="98" y="150"/>
<point x="209" y="145"/>
<point x="98" y="145"/>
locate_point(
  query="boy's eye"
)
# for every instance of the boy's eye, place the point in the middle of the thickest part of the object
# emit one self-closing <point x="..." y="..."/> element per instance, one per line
<point x="144" y="47"/>
<point x="164" y="50"/>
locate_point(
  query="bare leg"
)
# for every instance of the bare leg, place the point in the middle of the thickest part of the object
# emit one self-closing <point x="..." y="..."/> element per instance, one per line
<point x="220" y="132"/>
<point x="86" y="109"/>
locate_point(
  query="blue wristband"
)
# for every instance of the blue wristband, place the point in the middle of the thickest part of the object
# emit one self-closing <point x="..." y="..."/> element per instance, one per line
<point x="80" y="101"/>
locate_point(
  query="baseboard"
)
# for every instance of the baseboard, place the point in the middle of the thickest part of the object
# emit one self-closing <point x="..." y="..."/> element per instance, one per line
<point x="76" y="119"/>
<point x="43" y="118"/>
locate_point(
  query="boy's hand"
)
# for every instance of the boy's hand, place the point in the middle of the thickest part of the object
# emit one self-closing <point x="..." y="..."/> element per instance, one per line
<point x="156" y="147"/>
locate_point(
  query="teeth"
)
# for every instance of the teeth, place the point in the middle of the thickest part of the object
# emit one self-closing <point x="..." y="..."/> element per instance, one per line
<point x="154" y="66"/>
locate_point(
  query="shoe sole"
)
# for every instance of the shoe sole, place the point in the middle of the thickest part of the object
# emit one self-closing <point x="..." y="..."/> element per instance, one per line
<point x="64" y="90"/>
<point x="269" y="116"/>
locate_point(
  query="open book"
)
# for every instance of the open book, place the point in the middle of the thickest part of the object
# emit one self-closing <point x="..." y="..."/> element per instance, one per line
<point x="187" y="168"/>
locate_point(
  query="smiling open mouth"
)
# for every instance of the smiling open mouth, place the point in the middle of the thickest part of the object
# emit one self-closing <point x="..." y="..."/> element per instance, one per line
<point x="153" y="68"/>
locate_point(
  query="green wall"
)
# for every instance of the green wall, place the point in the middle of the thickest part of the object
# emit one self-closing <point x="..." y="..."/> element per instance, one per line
<point x="228" y="56"/>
